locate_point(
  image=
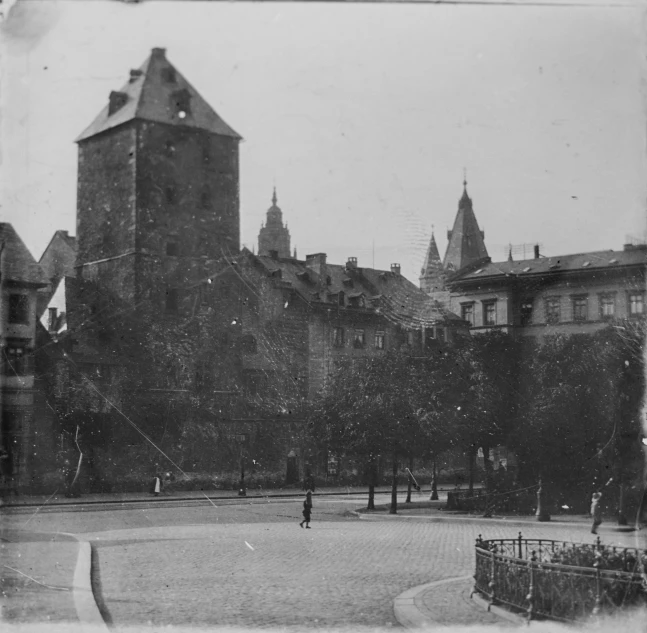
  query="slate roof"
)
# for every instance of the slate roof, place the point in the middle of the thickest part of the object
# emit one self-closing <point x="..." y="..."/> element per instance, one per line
<point x="18" y="265"/>
<point x="386" y="293"/>
<point x="150" y="97"/>
<point x="597" y="261"/>
<point x="466" y="244"/>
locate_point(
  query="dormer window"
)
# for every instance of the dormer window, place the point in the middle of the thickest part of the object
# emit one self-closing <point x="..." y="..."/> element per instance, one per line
<point x="181" y="102"/>
<point x="168" y="75"/>
<point x="117" y="101"/>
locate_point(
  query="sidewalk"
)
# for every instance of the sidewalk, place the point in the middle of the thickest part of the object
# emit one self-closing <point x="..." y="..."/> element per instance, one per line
<point x="190" y="495"/>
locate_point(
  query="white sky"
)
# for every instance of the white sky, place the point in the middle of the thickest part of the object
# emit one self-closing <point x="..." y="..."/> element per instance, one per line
<point x="364" y="114"/>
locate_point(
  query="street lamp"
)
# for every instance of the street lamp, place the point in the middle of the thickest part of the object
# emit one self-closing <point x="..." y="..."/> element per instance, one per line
<point x="242" y="439"/>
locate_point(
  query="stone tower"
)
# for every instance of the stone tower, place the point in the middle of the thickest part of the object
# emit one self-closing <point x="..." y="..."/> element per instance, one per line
<point x="158" y="187"/>
<point x="274" y="236"/>
<point x="466" y="245"/>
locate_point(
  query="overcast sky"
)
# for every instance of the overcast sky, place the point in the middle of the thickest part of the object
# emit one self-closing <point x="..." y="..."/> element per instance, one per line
<point x="364" y="115"/>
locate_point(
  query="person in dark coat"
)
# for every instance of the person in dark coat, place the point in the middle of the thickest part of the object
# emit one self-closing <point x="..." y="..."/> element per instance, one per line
<point x="596" y="511"/>
<point x="307" y="510"/>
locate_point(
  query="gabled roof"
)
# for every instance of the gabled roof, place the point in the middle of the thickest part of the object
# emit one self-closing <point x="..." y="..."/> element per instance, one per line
<point x="466" y="244"/>
<point x="151" y="94"/>
<point x="595" y="262"/>
<point x="387" y="293"/>
<point x="18" y="265"/>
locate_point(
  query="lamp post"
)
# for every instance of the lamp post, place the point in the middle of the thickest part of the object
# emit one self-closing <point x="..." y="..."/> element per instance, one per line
<point x="542" y="513"/>
<point x="242" y="489"/>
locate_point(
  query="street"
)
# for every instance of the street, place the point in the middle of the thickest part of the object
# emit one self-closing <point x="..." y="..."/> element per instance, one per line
<point x="249" y="564"/>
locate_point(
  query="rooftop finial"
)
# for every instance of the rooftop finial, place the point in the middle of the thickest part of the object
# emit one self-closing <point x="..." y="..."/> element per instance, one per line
<point x="464" y="177"/>
<point x="274" y="196"/>
<point x="432" y="230"/>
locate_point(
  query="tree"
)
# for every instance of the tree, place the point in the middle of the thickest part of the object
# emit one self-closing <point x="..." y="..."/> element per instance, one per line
<point x="388" y="404"/>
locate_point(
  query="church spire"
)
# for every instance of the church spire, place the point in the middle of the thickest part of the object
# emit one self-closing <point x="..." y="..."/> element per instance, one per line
<point x="274" y="199"/>
<point x="274" y="236"/>
<point x="432" y="276"/>
<point x="466" y="245"/>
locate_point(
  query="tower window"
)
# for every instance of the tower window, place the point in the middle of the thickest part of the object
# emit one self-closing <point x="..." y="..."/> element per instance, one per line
<point x="19" y="309"/>
<point x="359" y="339"/>
<point x="171" y="300"/>
<point x="181" y="102"/>
<point x="172" y="248"/>
<point x="168" y="75"/>
<point x="379" y="340"/>
<point x="338" y="337"/>
<point x="206" y="154"/>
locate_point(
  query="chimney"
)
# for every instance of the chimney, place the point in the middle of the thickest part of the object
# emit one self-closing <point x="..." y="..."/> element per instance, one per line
<point x="51" y="327"/>
<point x="317" y="263"/>
<point x="159" y="52"/>
<point x="134" y="75"/>
<point x="395" y="269"/>
<point x="536" y="251"/>
<point x="351" y="264"/>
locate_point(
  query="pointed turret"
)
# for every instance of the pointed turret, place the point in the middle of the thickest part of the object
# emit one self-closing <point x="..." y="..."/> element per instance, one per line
<point x="466" y="245"/>
<point x="274" y="236"/>
<point x="432" y="275"/>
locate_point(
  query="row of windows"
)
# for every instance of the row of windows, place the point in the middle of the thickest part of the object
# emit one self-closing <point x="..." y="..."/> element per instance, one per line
<point x="553" y="308"/>
<point x="358" y="338"/>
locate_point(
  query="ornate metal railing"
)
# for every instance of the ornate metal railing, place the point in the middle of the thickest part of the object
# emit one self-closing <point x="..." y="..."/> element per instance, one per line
<point x="558" y="580"/>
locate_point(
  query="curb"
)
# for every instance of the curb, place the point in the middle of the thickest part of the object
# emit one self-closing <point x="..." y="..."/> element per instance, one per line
<point x="86" y="606"/>
<point x="405" y="609"/>
<point x="480" y="520"/>
<point x="501" y="612"/>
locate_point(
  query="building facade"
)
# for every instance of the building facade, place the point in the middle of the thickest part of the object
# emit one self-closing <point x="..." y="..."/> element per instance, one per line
<point x="20" y="280"/>
<point x="568" y="294"/>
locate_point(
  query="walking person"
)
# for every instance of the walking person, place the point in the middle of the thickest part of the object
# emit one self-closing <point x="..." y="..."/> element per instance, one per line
<point x="596" y="511"/>
<point x="307" y="510"/>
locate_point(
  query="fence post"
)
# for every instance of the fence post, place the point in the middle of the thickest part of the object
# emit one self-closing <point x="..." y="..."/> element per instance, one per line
<point x="531" y="588"/>
<point x="598" y="583"/>
<point x="519" y="538"/>
<point x="492" y="572"/>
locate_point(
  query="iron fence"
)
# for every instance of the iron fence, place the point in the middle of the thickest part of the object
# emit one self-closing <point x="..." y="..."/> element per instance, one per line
<point x="559" y="580"/>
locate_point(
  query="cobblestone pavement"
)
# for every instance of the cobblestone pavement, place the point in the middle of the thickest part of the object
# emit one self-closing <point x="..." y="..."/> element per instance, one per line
<point x="250" y="565"/>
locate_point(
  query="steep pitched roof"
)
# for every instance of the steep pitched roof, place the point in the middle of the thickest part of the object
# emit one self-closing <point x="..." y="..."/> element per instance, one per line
<point x="152" y="94"/>
<point x="387" y="293"/>
<point x="595" y="262"/>
<point x="18" y="265"/>
<point x="466" y="244"/>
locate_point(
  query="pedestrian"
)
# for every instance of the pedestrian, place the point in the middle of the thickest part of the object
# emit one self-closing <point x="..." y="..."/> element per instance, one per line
<point x="596" y="511"/>
<point x="307" y="510"/>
